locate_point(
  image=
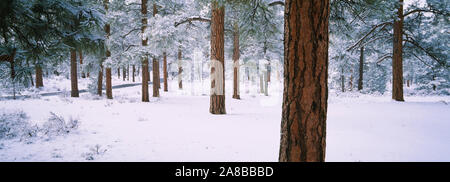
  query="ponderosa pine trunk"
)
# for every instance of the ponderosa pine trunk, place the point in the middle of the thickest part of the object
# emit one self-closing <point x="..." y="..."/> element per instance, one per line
<point x="361" y="69"/>
<point x="397" y="56"/>
<point x="165" y="71"/>
<point x="39" y="78"/>
<point x="180" y="70"/>
<point x="217" y="98"/>
<point x="236" y="56"/>
<point x="73" y="73"/>
<point x="305" y="94"/>
<point x="108" y="83"/>
<point x="145" y="74"/>
<point x="155" y="78"/>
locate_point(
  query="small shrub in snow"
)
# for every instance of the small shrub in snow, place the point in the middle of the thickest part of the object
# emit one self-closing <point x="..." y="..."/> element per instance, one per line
<point x="94" y="152"/>
<point x="57" y="125"/>
<point x="17" y="125"/>
<point x="14" y="125"/>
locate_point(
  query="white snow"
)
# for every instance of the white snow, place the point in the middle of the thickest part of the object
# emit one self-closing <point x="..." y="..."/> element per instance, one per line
<point x="178" y="127"/>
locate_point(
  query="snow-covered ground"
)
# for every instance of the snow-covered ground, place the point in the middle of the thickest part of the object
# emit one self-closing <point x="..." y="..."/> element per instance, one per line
<point x="178" y="127"/>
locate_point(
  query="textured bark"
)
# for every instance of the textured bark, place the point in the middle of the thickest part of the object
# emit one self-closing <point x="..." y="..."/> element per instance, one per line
<point x="361" y="69"/>
<point x="165" y="71"/>
<point x="145" y="74"/>
<point x="180" y="71"/>
<point x="39" y="79"/>
<point x="217" y="100"/>
<point x="73" y="73"/>
<point x="155" y="78"/>
<point x="397" y="57"/>
<point x="108" y="84"/>
<point x="305" y="94"/>
<point x="236" y="56"/>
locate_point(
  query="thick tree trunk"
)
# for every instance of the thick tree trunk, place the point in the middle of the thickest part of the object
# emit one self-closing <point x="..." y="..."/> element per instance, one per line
<point x="29" y="74"/>
<point x="236" y="56"/>
<point x="261" y="83"/>
<point x="180" y="70"/>
<point x="155" y="78"/>
<point x="397" y="57"/>
<point x="361" y="69"/>
<point x="145" y="74"/>
<point x="73" y="73"/>
<point x="134" y="72"/>
<point x="303" y="124"/>
<point x="217" y="100"/>
<point x="108" y="84"/>
<point x="165" y="71"/>
<point x="39" y="79"/>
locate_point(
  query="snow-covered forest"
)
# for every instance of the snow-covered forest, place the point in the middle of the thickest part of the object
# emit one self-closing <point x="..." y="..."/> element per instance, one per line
<point x="224" y="80"/>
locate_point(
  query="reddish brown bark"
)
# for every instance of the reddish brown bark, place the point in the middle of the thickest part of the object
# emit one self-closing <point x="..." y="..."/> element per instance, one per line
<point x="108" y="84"/>
<point x="305" y="94"/>
<point x="73" y="73"/>
<point x="100" y="81"/>
<point x="217" y="101"/>
<point x="155" y="78"/>
<point x="397" y="56"/>
<point x="165" y="71"/>
<point x="145" y="74"/>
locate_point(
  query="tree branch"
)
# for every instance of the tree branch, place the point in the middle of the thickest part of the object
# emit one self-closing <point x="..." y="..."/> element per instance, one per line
<point x="190" y="20"/>
<point x="281" y="3"/>
<point x="370" y="32"/>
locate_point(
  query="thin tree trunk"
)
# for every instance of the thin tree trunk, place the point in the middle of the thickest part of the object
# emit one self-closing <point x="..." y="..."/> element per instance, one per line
<point x="165" y="71"/>
<point x="29" y="74"/>
<point x="128" y="72"/>
<point x="217" y="98"/>
<point x="269" y="69"/>
<point x="134" y="72"/>
<point x="124" y="73"/>
<point x="236" y="56"/>
<point x="361" y="69"/>
<point x="342" y="80"/>
<point x="397" y="57"/>
<point x="304" y="111"/>
<point x="266" y="83"/>
<point x="73" y="73"/>
<point x="118" y="72"/>
<point x="145" y="74"/>
<point x="83" y="75"/>
<point x="351" y="81"/>
<point x="39" y="79"/>
<point x="180" y="70"/>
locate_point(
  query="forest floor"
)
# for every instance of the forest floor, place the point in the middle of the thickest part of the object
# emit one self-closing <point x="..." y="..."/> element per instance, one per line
<point x="178" y="127"/>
